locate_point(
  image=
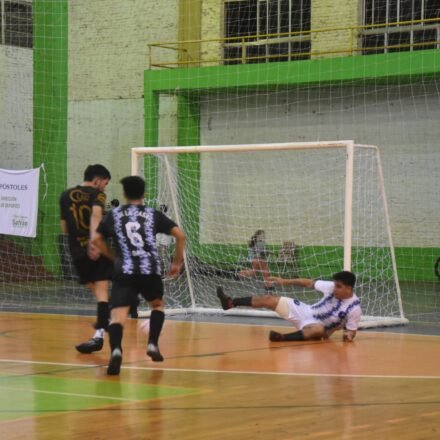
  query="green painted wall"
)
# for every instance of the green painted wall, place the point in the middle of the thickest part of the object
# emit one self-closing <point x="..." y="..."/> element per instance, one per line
<point x="414" y="264"/>
<point x="400" y="67"/>
<point x="189" y="164"/>
<point x="50" y="117"/>
<point x="394" y="67"/>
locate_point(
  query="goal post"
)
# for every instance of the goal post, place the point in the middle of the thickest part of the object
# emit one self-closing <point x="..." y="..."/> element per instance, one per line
<point x="327" y="199"/>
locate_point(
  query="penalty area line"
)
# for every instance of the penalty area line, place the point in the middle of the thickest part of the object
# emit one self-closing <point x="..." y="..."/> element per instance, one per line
<point x="195" y="370"/>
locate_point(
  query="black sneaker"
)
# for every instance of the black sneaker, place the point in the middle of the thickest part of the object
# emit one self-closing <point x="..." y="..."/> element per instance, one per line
<point x="93" y="344"/>
<point x="224" y="299"/>
<point x="154" y="353"/>
<point x="275" y="336"/>
<point x="114" y="365"/>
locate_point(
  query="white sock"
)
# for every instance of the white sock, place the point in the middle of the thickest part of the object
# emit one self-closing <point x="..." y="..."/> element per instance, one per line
<point x="99" y="333"/>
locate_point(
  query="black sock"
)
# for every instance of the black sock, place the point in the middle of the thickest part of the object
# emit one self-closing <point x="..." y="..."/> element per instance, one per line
<point x="246" y="301"/>
<point x="295" y="336"/>
<point x="115" y="332"/>
<point x="157" y="318"/>
<point x="133" y="311"/>
<point x="102" y="315"/>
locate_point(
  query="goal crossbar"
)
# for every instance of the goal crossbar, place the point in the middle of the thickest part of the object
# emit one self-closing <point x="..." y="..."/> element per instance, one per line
<point x="138" y="151"/>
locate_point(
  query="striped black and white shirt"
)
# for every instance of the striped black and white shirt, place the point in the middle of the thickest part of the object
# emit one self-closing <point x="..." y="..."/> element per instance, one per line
<point x="133" y="229"/>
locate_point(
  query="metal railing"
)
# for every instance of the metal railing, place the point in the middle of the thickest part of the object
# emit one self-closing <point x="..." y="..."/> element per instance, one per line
<point x="357" y="36"/>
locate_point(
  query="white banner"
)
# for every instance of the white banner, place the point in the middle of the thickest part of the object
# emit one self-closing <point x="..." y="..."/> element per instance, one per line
<point x="19" y="202"/>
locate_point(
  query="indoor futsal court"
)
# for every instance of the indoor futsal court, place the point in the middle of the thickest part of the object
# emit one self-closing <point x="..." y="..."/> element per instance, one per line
<point x="219" y="380"/>
<point x="219" y="219"/>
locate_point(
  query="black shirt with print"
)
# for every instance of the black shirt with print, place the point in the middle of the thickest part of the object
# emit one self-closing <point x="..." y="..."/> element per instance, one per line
<point x="133" y="229"/>
<point x="76" y="209"/>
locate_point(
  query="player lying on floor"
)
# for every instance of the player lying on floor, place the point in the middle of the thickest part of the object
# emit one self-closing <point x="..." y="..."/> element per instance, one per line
<point x="339" y="308"/>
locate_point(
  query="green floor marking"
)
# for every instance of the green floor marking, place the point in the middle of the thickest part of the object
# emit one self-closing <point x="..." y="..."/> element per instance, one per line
<point x="30" y="396"/>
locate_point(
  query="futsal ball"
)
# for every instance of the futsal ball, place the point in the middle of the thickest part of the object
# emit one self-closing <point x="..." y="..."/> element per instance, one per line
<point x="144" y="326"/>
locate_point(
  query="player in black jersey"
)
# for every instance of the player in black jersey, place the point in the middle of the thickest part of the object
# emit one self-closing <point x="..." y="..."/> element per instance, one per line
<point x="133" y="228"/>
<point x="82" y="209"/>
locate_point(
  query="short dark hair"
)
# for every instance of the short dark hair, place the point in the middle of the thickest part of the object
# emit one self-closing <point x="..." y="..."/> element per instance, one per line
<point x="345" y="277"/>
<point x="253" y="241"/>
<point x="134" y="187"/>
<point x="96" y="170"/>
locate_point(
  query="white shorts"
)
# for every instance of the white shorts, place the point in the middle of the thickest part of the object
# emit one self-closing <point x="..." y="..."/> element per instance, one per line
<point x="297" y="312"/>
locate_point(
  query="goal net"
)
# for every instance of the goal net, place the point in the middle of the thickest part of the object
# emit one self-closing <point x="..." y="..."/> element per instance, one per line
<point x="321" y="206"/>
<point x="75" y="93"/>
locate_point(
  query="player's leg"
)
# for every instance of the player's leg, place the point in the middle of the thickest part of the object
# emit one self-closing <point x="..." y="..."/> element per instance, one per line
<point x="313" y="332"/>
<point x="256" y="302"/>
<point x="100" y="289"/>
<point x="286" y="308"/>
<point x="157" y="319"/>
<point x="122" y="295"/>
<point x="102" y="270"/>
<point x="102" y="316"/>
<point x="133" y="312"/>
<point x="95" y="274"/>
<point x="115" y="330"/>
<point x="300" y="315"/>
<point x="151" y="288"/>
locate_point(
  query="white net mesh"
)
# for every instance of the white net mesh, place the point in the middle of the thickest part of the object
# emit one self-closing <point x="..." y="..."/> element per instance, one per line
<point x="74" y="92"/>
<point x="297" y="198"/>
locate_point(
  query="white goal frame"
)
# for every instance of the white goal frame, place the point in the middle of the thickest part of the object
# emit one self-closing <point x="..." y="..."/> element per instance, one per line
<point x="349" y="146"/>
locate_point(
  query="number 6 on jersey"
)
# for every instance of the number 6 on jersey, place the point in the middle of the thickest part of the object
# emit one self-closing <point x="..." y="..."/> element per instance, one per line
<point x="134" y="237"/>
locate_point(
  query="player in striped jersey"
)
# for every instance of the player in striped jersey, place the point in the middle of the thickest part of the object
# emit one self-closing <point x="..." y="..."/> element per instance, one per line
<point x="137" y="266"/>
<point x="339" y="308"/>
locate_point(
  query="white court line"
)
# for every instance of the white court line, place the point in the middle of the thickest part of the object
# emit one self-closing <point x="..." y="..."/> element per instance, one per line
<point x="361" y="331"/>
<point x="192" y="370"/>
<point x="93" y="396"/>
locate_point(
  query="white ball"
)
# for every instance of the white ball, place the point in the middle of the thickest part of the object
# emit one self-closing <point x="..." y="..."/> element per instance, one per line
<point x="144" y="325"/>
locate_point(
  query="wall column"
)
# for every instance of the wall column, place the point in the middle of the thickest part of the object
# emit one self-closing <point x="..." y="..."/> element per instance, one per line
<point x="334" y="14"/>
<point x="50" y="118"/>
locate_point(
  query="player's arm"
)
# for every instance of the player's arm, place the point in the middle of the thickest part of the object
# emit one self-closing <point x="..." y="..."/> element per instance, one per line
<point x="64" y="229"/>
<point x="303" y="282"/>
<point x="95" y="219"/>
<point x="102" y="246"/>
<point x="179" y="235"/>
<point x="63" y="223"/>
<point x="104" y="231"/>
<point x="64" y="237"/>
<point x="351" y="325"/>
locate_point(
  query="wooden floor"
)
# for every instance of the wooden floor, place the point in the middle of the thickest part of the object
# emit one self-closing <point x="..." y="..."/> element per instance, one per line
<point x="218" y="381"/>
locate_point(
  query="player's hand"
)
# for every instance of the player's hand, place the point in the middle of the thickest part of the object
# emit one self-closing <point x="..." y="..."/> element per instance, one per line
<point x="174" y="270"/>
<point x="348" y="336"/>
<point x="93" y="252"/>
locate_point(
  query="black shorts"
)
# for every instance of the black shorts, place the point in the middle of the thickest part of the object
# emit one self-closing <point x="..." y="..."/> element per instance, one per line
<point x="90" y="271"/>
<point x="126" y="288"/>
